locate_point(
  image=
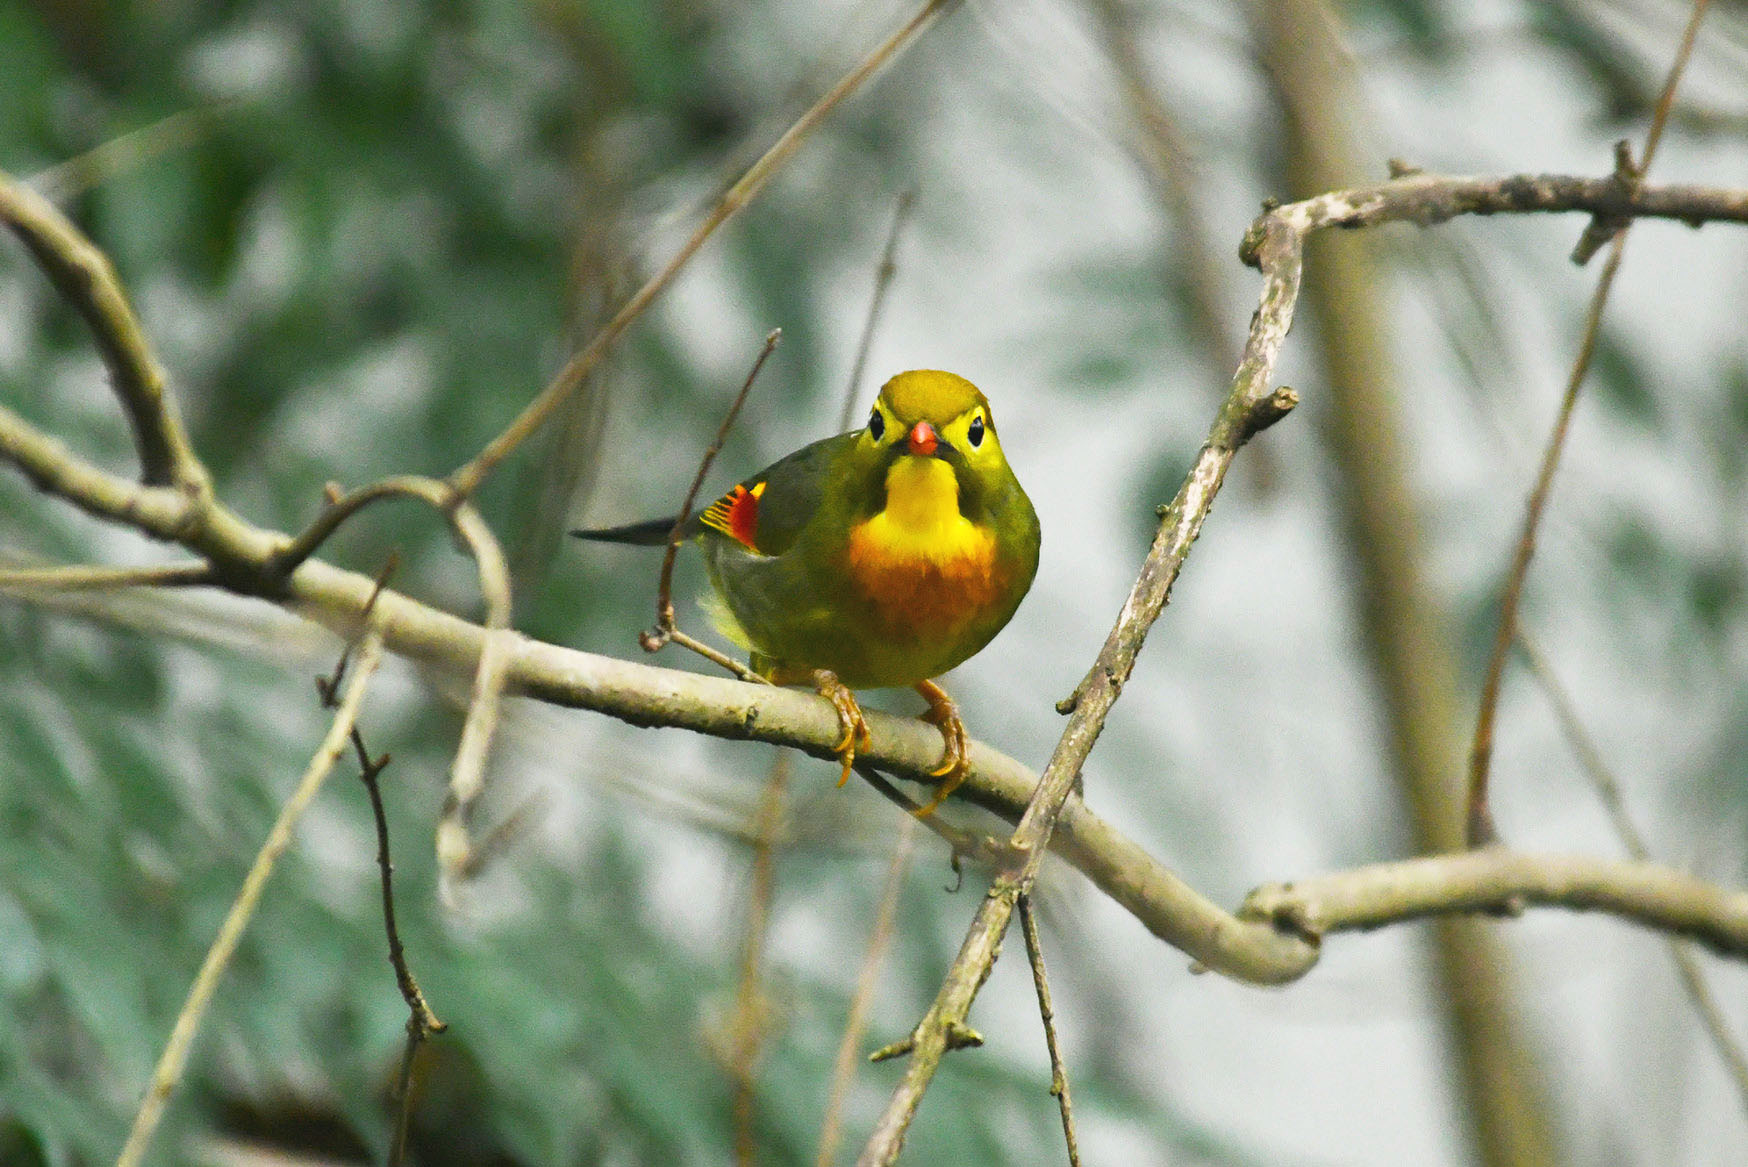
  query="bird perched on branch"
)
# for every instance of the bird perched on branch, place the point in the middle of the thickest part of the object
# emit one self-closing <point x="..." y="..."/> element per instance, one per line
<point x="878" y="558"/>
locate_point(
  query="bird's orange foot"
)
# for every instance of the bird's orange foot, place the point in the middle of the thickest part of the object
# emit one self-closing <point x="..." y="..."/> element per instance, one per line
<point x="849" y="716"/>
<point x="956" y="760"/>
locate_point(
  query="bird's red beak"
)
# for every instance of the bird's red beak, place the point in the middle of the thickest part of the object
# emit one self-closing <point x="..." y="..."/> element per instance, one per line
<point x="923" y="439"/>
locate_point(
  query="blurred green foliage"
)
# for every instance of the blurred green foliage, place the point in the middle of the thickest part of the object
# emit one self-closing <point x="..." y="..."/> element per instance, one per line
<point x="362" y="237"/>
<point x="353" y="233"/>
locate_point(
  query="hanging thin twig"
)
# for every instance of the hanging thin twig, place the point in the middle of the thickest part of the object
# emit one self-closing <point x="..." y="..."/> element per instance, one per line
<point x="867" y="979"/>
<point x="1603" y="229"/>
<point x="1608" y="791"/>
<point x="175" y="1056"/>
<point x="664" y="629"/>
<point x="876" y="303"/>
<point x="1058" y="1069"/>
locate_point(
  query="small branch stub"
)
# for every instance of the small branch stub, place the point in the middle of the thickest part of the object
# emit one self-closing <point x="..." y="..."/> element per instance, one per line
<point x="1628" y="176"/>
<point x="959" y="1036"/>
<point x="1267" y="412"/>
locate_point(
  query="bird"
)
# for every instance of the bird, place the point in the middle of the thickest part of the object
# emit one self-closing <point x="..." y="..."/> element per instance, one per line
<point x="878" y="558"/>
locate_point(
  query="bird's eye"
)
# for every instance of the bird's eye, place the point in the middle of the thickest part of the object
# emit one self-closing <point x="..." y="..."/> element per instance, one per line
<point x="876" y="425"/>
<point x="974" y="435"/>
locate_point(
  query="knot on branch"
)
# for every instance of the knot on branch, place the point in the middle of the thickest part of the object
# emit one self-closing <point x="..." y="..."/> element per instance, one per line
<point x="1281" y="907"/>
<point x="1602" y="228"/>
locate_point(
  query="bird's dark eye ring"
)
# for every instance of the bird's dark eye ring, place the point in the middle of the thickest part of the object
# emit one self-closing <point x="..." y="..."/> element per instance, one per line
<point x="876" y="425"/>
<point x="974" y="435"/>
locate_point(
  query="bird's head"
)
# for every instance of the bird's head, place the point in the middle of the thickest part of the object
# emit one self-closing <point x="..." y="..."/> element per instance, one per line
<point x="930" y="414"/>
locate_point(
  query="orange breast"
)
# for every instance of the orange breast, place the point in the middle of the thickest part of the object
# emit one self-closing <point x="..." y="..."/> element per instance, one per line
<point x="923" y="594"/>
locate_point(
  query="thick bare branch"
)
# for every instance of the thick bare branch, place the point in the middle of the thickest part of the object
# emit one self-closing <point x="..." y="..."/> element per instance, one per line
<point x="1254" y="948"/>
<point x="1427" y="200"/>
<point x="1275" y="244"/>
<point x="1496" y="880"/>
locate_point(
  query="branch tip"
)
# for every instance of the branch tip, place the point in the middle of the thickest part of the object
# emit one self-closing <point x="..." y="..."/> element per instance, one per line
<point x="962" y="1036"/>
<point x="1625" y="169"/>
<point x="1266" y="412"/>
<point x="897" y="1049"/>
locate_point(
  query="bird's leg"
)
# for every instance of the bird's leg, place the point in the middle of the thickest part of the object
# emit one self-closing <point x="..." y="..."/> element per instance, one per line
<point x="956" y="761"/>
<point x="849" y="716"/>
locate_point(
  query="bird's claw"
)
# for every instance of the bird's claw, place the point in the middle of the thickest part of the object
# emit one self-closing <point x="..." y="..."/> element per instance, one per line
<point x="956" y="757"/>
<point x="850" y="717"/>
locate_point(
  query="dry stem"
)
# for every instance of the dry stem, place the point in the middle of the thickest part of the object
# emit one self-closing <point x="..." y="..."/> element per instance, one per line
<point x="466" y="479"/>
<point x="1613" y="231"/>
<point x="1047" y="1013"/>
<point x="175" y="1056"/>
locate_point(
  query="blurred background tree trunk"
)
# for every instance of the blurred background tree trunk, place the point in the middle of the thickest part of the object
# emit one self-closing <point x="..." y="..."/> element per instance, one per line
<point x="1405" y="624"/>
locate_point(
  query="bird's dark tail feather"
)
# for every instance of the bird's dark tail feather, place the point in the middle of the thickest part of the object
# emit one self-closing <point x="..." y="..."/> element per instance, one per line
<point x="649" y="533"/>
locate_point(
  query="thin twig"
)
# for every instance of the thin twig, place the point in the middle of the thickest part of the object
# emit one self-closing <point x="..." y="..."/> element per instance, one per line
<point x="876" y="303"/>
<point x="175" y="1056"/>
<point x="433" y="493"/>
<point x="1058" y="1070"/>
<point x="87" y="280"/>
<point x="1247" y="950"/>
<point x="1481" y="830"/>
<point x="867" y="980"/>
<point x="467" y="771"/>
<point x="663" y="631"/>
<point x="80" y="578"/>
<point x="466" y="479"/>
<point x="722" y="659"/>
<point x="1480" y="827"/>
<point x="104" y="161"/>
<point x="328" y="687"/>
<point x="961" y="843"/>
<point x="1608" y="792"/>
<point x="421" y="1021"/>
<point x="751" y="1006"/>
<point x="1671" y="82"/>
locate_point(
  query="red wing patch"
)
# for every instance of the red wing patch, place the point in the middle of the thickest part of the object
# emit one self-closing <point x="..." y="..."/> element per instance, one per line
<point x="736" y="514"/>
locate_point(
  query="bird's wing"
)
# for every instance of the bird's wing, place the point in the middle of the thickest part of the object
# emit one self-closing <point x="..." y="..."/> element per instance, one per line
<point x="767" y="511"/>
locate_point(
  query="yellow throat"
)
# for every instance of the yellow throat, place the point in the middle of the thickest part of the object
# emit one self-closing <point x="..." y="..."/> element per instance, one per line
<point x="921" y="519"/>
<point x="924" y="568"/>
